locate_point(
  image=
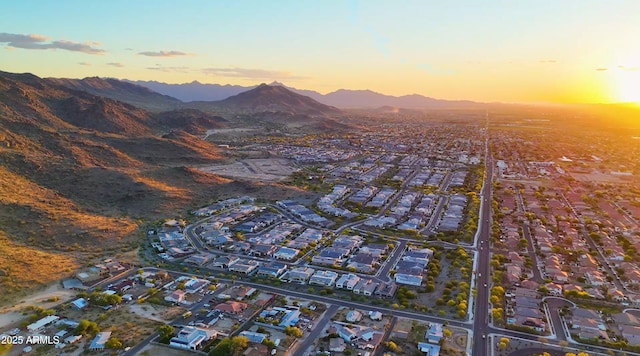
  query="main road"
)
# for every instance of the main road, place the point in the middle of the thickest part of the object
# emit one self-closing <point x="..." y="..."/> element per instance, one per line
<point x="481" y="310"/>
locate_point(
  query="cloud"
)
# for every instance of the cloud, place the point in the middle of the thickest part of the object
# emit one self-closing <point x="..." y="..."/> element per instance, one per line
<point x="628" y="68"/>
<point x="115" y="64"/>
<point x="165" y="54"/>
<point x="22" y="39"/>
<point x="77" y="47"/>
<point x="249" y="73"/>
<point x="602" y="69"/>
<point x="170" y="69"/>
<point x="84" y="63"/>
<point x="40" y="42"/>
<point x="548" y="61"/>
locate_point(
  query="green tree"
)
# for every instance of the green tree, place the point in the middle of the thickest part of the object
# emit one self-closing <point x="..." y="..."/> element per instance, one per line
<point x="495" y="300"/>
<point x="293" y="331"/>
<point x="113" y="343"/>
<point x="165" y="331"/>
<point x="391" y="346"/>
<point x="86" y="327"/>
<point x="230" y="346"/>
<point x="446" y="333"/>
<point x="505" y="341"/>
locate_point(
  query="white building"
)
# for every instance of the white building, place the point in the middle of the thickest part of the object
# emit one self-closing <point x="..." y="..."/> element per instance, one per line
<point x="191" y="338"/>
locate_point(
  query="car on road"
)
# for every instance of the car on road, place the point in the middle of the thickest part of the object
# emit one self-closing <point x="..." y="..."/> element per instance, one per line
<point x="485" y="285"/>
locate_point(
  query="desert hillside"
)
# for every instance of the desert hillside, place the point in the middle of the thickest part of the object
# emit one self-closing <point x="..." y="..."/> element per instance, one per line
<point x="80" y="173"/>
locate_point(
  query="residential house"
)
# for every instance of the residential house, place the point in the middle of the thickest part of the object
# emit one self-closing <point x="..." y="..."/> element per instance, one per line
<point x="97" y="344"/>
<point x="346" y="333"/>
<point x="331" y="256"/>
<point x="191" y="338"/>
<point x="287" y="254"/>
<point x="353" y="316"/>
<point x="410" y="273"/>
<point x="365" y="287"/>
<point x="362" y="262"/>
<point x="256" y="350"/>
<point x="80" y="304"/>
<point x="231" y="307"/>
<point x="177" y="296"/>
<point x="631" y="334"/>
<point x="300" y="274"/>
<point x="199" y="259"/>
<point x="192" y="285"/>
<point x="375" y="250"/>
<point x="244" y="266"/>
<point x="323" y="278"/>
<point x="290" y="318"/>
<point x="224" y="262"/>
<point x="375" y="315"/>
<point x="241" y="246"/>
<point x="254" y="337"/>
<point x="272" y="269"/>
<point x="554" y="289"/>
<point x="337" y="344"/>
<point x="42" y="323"/>
<point x="347" y="281"/>
<point x="429" y="349"/>
<point x="386" y="290"/>
<point x="263" y="250"/>
<point x="434" y="333"/>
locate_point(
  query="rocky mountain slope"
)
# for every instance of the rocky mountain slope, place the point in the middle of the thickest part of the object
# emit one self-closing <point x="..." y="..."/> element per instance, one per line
<point x="78" y="173"/>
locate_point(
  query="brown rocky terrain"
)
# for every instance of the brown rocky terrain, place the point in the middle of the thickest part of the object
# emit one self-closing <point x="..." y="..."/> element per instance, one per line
<point x="80" y="173"/>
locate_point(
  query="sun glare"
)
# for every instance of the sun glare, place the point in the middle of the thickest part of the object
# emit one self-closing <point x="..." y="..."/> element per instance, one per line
<point x="628" y="83"/>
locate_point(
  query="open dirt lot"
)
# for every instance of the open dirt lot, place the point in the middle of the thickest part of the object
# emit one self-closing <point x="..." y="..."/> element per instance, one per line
<point x="269" y="169"/>
<point x="45" y="298"/>
<point x="156" y="312"/>
<point x="599" y="177"/>
<point x="157" y="350"/>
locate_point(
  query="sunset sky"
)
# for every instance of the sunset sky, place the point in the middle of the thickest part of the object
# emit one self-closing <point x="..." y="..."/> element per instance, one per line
<point x="511" y="51"/>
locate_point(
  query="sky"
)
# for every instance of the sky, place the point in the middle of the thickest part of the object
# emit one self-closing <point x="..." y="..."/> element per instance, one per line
<point x="560" y="51"/>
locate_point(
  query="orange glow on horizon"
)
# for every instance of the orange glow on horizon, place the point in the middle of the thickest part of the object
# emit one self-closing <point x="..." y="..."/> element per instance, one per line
<point x="628" y="86"/>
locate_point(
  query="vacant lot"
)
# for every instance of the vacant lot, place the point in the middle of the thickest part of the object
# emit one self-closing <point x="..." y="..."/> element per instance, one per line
<point x="160" y="350"/>
<point x="270" y="169"/>
<point x="159" y="313"/>
<point x="49" y="297"/>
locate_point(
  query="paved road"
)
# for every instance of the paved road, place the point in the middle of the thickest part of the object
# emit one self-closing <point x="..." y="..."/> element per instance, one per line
<point x="334" y="303"/>
<point x="316" y="332"/>
<point x="537" y="351"/>
<point x="526" y="232"/>
<point x="389" y="264"/>
<point x="555" y="304"/>
<point x="387" y="333"/>
<point x="435" y="216"/>
<point x="329" y="300"/>
<point x="481" y="311"/>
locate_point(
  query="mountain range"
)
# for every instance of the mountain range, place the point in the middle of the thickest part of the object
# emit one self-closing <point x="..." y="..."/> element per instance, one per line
<point x="342" y="98"/>
<point x="79" y="171"/>
<point x="270" y="98"/>
<point x="264" y="105"/>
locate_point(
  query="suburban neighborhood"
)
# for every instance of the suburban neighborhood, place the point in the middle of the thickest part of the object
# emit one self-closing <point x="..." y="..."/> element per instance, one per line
<point x="411" y="234"/>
